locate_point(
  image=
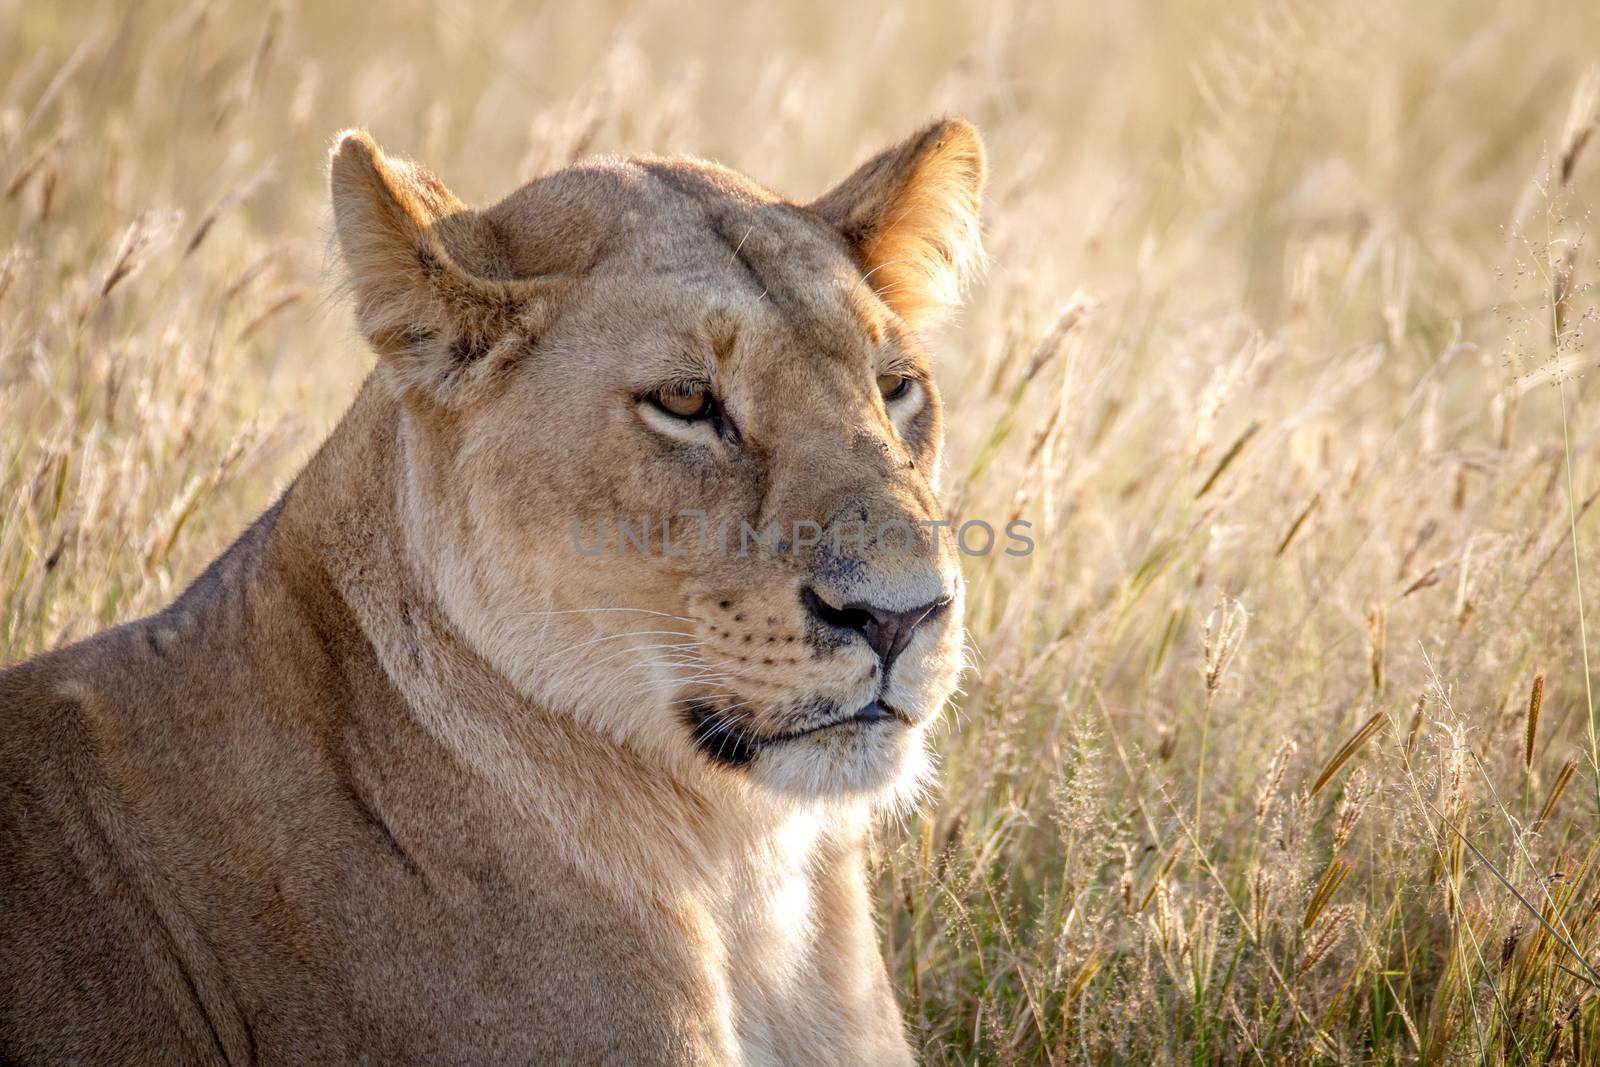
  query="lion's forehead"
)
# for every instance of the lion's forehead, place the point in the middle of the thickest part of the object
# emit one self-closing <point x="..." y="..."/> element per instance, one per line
<point x="709" y="230"/>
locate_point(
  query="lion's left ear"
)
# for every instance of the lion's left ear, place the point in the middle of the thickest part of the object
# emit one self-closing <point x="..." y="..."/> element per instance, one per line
<point x="910" y="214"/>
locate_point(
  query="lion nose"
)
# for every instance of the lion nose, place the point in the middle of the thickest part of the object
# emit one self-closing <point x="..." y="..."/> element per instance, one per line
<point x="887" y="631"/>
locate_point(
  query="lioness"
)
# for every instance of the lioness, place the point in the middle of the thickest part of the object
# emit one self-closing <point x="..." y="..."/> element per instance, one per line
<point x="414" y="773"/>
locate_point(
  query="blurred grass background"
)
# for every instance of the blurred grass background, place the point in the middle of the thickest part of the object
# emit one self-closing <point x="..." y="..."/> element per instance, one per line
<point x="1283" y="351"/>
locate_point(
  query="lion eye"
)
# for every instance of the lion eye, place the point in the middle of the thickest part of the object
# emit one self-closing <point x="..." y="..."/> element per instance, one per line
<point x="693" y="405"/>
<point x="893" y="386"/>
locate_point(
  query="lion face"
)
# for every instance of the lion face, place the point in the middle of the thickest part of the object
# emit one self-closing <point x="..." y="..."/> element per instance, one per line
<point x="672" y="446"/>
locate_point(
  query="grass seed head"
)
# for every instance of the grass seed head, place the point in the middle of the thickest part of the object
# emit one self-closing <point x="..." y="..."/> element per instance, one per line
<point x="1535" y="702"/>
<point x="1347" y="751"/>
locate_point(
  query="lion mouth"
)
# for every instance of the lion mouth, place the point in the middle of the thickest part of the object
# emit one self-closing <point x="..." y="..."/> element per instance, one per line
<point x="725" y="742"/>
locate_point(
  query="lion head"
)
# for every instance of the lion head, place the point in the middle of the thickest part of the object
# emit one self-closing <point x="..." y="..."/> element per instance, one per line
<point x="672" y="443"/>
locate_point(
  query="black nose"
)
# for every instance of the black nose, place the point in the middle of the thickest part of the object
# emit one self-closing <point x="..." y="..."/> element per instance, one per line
<point x="888" y="632"/>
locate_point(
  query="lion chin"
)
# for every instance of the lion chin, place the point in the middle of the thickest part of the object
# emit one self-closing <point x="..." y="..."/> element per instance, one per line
<point x="875" y="752"/>
<point x="578" y="659"/>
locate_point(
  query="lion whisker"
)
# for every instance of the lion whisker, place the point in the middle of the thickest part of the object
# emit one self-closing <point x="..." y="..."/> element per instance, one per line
<point x="588" y="611"/>
<point x="617" y="636"/>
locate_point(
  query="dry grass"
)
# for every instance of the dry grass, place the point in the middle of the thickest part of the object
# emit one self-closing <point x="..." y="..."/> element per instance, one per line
<point x="1283" y="353"/>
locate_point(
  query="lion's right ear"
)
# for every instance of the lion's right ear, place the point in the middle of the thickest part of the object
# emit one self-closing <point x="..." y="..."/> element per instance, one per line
<point x="421" y="264"/>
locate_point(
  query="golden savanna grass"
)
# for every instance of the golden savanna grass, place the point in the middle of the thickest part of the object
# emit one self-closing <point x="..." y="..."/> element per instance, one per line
<point x="1279" y="747"/>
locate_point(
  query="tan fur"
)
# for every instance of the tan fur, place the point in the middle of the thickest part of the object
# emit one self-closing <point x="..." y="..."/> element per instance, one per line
<point x="405" y="777"/>
<point x="913" y="216"/>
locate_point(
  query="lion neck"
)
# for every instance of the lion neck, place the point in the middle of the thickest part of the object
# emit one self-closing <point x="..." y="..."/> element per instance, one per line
<point x="643" y="829"/>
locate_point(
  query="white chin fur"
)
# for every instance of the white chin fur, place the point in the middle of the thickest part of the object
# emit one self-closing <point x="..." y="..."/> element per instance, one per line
<point x="888" y="765"/>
